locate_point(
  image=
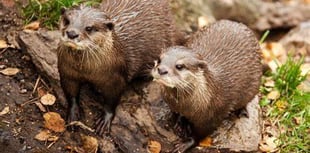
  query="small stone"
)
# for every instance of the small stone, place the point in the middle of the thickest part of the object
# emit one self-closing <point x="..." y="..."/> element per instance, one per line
<point x="23" y="91"/>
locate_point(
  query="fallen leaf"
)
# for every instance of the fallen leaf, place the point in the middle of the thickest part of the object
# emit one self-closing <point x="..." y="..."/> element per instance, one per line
<point x="281" y="104"/>
<point x="273" y="95"/>
<point x="48" y="99"/>
<point x="41" y="92"/>
<point x="298" y="120"/>
<point x="32" y="26"/>
<point x="305" y="69"/>
<point x="269" y="82"/>
<point x="40" y="106"/>
<point x="10" y="71"/>
<point x="46" y="135"/>
<point x="54" y="122"/>
<point x="43" y="135"/>
<point x="304" y="86"/>
<point x="90" y="144"/>
<point x="153" y="147"/>
<point x="206" y="142"/>
<point x="269" y="144"/>
<point x="3" y="44"/>
<point x="5" y="110"/>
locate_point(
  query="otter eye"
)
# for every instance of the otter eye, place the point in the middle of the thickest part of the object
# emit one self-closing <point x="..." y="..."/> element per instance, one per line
<point x="90" y="29"/>
<point x="179" y="67"/>
<point x="158" y="61"/>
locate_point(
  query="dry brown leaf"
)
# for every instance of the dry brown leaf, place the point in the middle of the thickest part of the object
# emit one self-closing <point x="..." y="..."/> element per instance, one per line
<point x="5" y="110"/>
<point x="46" y="135"/>
<point x="304" y="86"/>
<point x="48" y="99"/>
<point x="305" y="69"/>
<point x="40" y="106"/>
<point x="54" y="122"/>
<point x="269" y="144"/>
<point x="10" y="71"/>
<point x="41" y="92"/>
<point x="273" y="95"/>
<point x="269" y="82"/>
<point x="3" y="44"/>
<point x="298" y="120"/>
<point x="206" y="142"/>
<point x="43" y="135"/>
<point x="32" y="26"/>
<point x="90" y="144"/>
<point x="153" y="147"/>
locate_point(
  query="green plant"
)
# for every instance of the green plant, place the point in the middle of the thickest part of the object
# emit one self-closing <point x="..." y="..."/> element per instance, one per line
<point x="288" y="77"/>
<point x="48" y="11"/>
<point x="291" y="111"/>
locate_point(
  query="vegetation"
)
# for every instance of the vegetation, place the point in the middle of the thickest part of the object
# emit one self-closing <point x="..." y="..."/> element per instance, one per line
<point x="48" y="11"/>
<point x="290" y="111"/>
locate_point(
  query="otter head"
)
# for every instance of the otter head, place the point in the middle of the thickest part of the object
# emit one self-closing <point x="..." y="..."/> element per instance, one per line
<point x="86" y="28"/>
<point x="179" y="67"/>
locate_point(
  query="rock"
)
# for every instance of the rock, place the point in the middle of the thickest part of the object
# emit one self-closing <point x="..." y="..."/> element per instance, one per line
<point x="42" y="45"/>
<point x="261" y="15"/>
<point x="245" y="134"/>
<point x="298" y="41"/>
<point x="138" y="118"/>
<point x="187" y="13"/>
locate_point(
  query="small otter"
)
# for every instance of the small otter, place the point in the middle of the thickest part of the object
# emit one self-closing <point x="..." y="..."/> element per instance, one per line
<point x="218" y="71"/>
<point x="108" y="47"/>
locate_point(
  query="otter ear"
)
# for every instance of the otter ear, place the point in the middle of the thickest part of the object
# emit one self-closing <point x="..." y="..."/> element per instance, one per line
<point x="110" y="25"/>
<point x="201" y="64"/>
<point x="63" y="10"/>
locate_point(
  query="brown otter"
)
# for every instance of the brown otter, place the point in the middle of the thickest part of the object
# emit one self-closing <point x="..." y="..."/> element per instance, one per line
<point x="217" y="72"/>
<point x="108" y="47"/>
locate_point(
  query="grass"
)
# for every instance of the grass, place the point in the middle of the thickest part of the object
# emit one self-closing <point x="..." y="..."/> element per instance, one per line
<point x="291" y="111"/>
<point x="48" y="11"/>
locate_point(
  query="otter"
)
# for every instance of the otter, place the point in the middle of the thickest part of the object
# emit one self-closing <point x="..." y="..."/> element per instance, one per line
<point x="217" y="71"/>
<point x="108" y="47"/>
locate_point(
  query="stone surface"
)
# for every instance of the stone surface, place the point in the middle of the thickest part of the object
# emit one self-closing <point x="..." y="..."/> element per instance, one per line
<point x="261" y="15"/>
<point x="298" y="40"/>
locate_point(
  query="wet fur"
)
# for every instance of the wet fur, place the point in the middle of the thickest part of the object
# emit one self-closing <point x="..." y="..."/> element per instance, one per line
<point x="112" y="56"/>
<point x="223" y="63"/>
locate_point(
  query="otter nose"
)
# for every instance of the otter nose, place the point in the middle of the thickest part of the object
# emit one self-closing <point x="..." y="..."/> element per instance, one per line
<point x="162" y="71"/>
<point x="72" y="34"/>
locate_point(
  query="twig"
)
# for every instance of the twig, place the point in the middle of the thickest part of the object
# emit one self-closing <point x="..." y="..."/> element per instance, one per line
<point x="50" y="145"/>
<point x="82" y="125"/>
<point x="36" y="85"/>
<point x="30" y="101"/>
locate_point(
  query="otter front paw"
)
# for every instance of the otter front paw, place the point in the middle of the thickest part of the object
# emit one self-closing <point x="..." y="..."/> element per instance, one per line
<point x="103" y="123"/>
<point x="185" y="146"/>
<point x="74" y="114"/>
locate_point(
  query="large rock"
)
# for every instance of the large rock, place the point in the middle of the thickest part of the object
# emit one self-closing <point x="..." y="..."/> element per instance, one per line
<point x="298" y="40"/>
<point x="140" y="119"/>
<point x="261" y="15"/>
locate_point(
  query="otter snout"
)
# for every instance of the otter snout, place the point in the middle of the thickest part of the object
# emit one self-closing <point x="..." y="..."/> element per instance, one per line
<point x="72" y="34"/>
<point x="162" y="70"/>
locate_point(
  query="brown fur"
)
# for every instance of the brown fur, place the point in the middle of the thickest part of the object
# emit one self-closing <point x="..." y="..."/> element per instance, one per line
<point x="124" y="40"/>
<point x="221" y="73"/>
